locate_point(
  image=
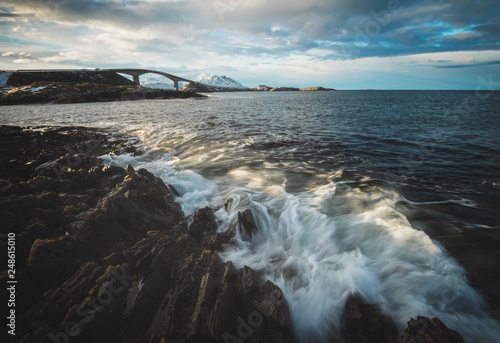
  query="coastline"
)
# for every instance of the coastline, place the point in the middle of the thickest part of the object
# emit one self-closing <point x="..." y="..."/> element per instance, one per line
<point x="91" y="234"/>
<point x="63" y="87"/>
<point x="48" y="92"/>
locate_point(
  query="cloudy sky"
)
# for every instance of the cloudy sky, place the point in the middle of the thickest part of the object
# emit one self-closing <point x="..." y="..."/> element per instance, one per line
<point x="344" y="44"/>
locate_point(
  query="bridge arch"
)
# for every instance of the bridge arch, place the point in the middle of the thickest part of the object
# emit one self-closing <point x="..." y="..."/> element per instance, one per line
<point x="135" y="73"/>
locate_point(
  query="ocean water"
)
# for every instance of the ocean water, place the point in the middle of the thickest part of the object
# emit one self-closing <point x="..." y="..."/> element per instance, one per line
<point x="394" y="195"/>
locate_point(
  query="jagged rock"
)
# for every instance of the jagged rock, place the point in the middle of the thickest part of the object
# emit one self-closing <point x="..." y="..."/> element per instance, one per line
<point x="203" y="221"/>
<point x="141" y="204"/>
<point x="365" y="323"/>
<point x="247" y="224"/>
<point x="425" y="330"/>
<point x="146" y="173"/>
<point x="130" y="170"/>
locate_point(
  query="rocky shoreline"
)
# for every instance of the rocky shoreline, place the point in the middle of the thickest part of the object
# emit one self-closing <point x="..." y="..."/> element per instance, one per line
<point x="199" y="87"/>
<point x="77" y="87"/>
<point x="49" y="92"/>
<point x="53" y="87"/>
<point x="105" y="254"/>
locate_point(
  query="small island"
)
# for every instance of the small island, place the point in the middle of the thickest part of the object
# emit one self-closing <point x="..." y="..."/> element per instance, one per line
<point x="317" y="89"/>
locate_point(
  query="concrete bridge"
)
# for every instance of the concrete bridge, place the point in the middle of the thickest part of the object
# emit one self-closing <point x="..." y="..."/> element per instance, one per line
<point x="135" y="73"/>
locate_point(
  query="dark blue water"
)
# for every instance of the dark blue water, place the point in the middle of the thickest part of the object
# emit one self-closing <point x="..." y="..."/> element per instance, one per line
<point x="387" y="193"/>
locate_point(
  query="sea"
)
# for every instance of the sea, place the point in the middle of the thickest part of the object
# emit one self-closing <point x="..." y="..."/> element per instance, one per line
<point x="394" y="195"/>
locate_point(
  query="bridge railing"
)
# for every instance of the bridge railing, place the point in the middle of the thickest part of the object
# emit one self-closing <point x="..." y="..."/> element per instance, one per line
<point x="54" y="70"/>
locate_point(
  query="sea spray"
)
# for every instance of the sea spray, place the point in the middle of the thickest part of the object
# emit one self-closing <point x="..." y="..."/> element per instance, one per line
<point x="318" y="259"/>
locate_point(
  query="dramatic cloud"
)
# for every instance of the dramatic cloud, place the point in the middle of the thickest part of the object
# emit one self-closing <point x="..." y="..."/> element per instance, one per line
<point x="239" y="33"/>
<point x="469" y="65"/>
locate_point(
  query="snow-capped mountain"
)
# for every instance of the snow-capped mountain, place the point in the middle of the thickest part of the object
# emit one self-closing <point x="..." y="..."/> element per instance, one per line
<point x="156" y="81"/>
<point x="217" y="81"/>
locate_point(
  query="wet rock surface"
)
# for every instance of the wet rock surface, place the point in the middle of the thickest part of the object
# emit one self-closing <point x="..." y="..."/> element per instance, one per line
<point x="428" y="330"/>
<point x="366" y="323"/>
<point x="105" y="254"/>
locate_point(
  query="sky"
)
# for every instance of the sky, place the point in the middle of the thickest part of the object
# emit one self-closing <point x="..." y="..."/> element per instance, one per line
<point x="342" y="44"/>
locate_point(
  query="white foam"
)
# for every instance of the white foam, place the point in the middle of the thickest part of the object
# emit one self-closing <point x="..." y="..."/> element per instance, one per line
<point x="193" y="188"/>
<point x="318" y="257"/>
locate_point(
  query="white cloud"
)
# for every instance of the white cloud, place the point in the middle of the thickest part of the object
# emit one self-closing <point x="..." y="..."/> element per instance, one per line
<point x="70" y="56"/>
<point x="22" y="61"/>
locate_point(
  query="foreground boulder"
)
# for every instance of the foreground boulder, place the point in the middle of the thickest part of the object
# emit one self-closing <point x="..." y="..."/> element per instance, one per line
<point x="366" y="323"/>
<point x="428" y="330"/>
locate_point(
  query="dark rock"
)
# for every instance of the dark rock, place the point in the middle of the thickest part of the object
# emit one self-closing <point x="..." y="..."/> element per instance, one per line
<point x="145" y="173"/>
<point x="247" y="224"/>
<point x="203" y="221"/>
<point x="274" y="304"/>
<point x="173" y="190"/>
<point x="139" y="203"/>
<point x="130" y="170"/>
<point x="425" y="330"/>
<point x="247" y="280"/>
<point x="361" y="322"/>
<point x="114" y="259"/>
<point x="365" y="323"/>
<point x="41" y="182"/>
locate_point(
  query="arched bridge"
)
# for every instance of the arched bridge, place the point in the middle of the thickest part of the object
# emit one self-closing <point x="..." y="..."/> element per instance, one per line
<point x="135" y="73"/>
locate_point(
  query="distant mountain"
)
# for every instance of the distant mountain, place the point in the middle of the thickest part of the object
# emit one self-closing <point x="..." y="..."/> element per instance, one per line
<point x="156" y="81"/>
<point x="218" y="81"/>
<point x="160" y="82"/>
<point x="157" y="84"/>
